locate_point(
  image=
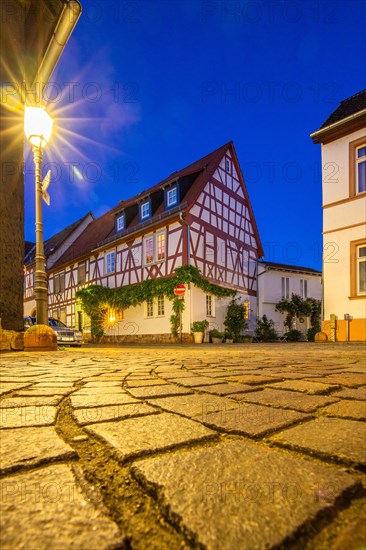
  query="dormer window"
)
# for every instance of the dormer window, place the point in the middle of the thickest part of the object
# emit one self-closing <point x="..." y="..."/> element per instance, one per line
<point x="171" y="196"/>
<point x="145" y="210"/>
<point x="121" y="222"/>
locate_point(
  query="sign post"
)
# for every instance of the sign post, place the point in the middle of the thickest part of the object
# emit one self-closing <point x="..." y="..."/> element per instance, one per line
<point x="179" y="292"/>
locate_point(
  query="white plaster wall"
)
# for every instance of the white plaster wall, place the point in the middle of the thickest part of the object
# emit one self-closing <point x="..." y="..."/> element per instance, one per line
<point x="335" y="168"/>
<point x="337" y="274"/>
<point x="343" y="215"/>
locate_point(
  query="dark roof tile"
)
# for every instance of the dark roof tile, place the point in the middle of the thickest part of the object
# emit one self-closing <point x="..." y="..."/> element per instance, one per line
<point x="347" y="107"/>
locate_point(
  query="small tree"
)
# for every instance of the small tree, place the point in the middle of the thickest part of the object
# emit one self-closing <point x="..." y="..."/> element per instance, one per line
<point x="265" y="330"/>
<point x="297" y="307"/>
<point x="235" y="321"/>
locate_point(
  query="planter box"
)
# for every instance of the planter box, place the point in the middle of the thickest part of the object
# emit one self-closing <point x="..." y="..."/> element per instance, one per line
<point x="216" y="340"/>
<point x="198" y="337"/>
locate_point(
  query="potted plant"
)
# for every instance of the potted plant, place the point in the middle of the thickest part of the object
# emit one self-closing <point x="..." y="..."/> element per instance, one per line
<point x="235" y="321"/>
<point x="229" y="337"/>
<point x="216" y="336"/>
<point x="198" y="329"/>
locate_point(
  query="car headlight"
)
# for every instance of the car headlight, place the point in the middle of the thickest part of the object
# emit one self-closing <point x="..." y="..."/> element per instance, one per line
<point x="78" y="334"/>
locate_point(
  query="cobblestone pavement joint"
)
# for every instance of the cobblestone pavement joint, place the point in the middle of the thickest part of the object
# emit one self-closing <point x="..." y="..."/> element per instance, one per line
<point x="240" y="447"/>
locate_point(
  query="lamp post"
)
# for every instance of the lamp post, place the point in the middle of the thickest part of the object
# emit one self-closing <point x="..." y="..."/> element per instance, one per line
<point x="38" y="129"/>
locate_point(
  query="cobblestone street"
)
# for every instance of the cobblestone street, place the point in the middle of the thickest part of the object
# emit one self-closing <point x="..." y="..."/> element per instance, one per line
<point x="239" y="447"/>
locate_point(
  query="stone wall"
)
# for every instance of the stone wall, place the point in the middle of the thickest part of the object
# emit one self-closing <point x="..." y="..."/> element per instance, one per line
<point x="146" y="339"/>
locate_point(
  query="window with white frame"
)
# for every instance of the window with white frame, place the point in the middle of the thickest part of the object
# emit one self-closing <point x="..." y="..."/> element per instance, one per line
<point x="285" y="288"/>
<point x="149" y="250"/>
<point x="145" y="210"/>
<point x="121" y="222"/>
<point x="110" y="261"/>
<point x="210" y="305"/>
<point x="303" y="289"/>
<point x="81" y="273"/>
<point x="150" y="308"/>
<point x="361" y="269"/>
<point x="59" y="282"/>
<point x="361" y="169"/>
<point x="161" y="306"/>
<point x="172" y="196"/>
<point x="160" y="246"/>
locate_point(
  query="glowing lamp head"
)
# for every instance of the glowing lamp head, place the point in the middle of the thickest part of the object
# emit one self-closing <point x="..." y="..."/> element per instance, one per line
<point x="37" y="126"/>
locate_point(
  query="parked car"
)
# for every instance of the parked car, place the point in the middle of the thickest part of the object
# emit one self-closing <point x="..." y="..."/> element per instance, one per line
<point x="65" y="335"/>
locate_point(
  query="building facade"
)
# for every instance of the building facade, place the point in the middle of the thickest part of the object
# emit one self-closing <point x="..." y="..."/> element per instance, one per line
<point x="199" y="216"/>
<point x="343" y="148"/>
<point x="278" y="281"/>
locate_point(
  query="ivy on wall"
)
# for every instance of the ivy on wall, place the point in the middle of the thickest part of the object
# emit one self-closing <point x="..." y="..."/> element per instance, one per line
<point x="96" y="299"/>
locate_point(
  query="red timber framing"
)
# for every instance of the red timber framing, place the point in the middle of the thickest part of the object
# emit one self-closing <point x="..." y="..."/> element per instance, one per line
<point x="212" y="228"/>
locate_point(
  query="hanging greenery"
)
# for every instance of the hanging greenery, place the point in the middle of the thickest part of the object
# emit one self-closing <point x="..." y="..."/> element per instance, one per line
<point x="95" y="298"/>
<point x="175" y="318"/>
<point x="297" y="307"/>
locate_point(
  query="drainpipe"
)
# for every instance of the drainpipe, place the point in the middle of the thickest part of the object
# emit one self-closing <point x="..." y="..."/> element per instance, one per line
<point x="257" y="285"/>
<point x="69" y="17"/>
<point x="183" y="221"/>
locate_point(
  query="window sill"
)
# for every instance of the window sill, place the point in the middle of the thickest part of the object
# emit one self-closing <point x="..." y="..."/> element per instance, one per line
<point x="360" y="297"/>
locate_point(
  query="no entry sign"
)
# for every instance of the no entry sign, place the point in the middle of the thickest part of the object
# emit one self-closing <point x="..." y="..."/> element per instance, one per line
<point x="179" y="290"/>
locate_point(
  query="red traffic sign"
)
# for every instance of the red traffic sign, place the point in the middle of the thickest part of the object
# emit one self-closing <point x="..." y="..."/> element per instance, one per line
<point x="180" y="290"/>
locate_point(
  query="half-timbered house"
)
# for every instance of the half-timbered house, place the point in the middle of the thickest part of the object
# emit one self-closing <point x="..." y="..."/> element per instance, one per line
<point x="200" y="216"/>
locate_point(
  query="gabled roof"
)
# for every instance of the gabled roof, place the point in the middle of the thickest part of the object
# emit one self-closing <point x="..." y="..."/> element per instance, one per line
<point x="192" y="179"/>
<point x="348" y="117"/>
<point x="288" y="267"/>
<point x="347" y="107"/>
<point x="54" y="242"/>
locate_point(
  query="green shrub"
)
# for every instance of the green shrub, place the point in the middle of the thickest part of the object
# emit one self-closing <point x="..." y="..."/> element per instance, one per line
<point x="200" y="326"/>
<point x="265" y="330"/>
<point x="235" y="321"/>
<point x="214" y="333"/>
<point x="294" y="336"/>
<point x="311" y="333"/>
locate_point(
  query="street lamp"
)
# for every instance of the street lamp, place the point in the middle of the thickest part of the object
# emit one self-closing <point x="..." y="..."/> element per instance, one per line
<point x="38" y="129"/>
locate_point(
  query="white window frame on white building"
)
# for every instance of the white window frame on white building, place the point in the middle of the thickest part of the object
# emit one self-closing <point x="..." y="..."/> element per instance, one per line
<point x="210" y="305"/>
<point x="304" y="289"/>
<point x="81" y="265"/>
<point x="285" y="288"/>
<point x="59" y="282"/>
<point x="148" y="260"/>
<point x="110" y="262"/>
<point x="361" y="270"/>
<point x="228" y="165"/>
<point x="172" y="197"/>
<point x="149" y="308"/>
<point x="160" y="250"/>
<point x="160" y="305"/>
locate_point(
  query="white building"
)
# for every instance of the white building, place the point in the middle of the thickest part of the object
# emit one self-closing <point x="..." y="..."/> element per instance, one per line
<point x="279" y="281"/>
<point x="343" y="149"/>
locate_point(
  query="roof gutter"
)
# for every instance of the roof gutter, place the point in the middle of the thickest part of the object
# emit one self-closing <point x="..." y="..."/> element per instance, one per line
<point x="69" y="17"/>
<point x="316" y="136"/>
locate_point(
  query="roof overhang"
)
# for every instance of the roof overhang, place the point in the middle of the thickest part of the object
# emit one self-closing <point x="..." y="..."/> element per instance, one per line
<point x="340" y="128"/>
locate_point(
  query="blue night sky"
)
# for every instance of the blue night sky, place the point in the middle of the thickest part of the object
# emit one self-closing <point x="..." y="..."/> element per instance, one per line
<point x="146" y="87"/>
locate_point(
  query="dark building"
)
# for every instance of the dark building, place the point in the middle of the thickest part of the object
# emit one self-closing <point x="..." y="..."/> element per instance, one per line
<point x="33" y="35"/>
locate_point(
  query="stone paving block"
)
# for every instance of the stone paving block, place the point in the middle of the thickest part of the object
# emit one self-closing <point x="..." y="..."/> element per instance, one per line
<point x="146" y="434"/>
<point x="253" y="379"/>
<point x="347" y="409"/>
<point x="20" y="417"/>
<point x="226" y="389"/>
<point x="99" y="400"/>
<point x="359" y="393"/>
<point x="195" y="404"/>
<point x="46" y="509"/>
<point x="289" y="399"/>
<point x="140" y="383"/>
<point x="9" y="387"/>
<point x="101" y="390"/>
<point x="26" y="401"/>
<point x="313" y="388"/>
<point x="348" y="380"/>
<point x="112" y="412"/>
<point x="158" y="391"/>
<point x="250" y="419"/>
<point x="241" y="495"/>
<point x="195" y="381"/>
<point x="31" y="447"/>
<point x="44" y="392"/>
<point x="329" y="437"/>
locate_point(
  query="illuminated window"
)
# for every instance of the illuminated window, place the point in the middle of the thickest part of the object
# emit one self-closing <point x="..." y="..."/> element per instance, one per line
<point x="361" y="169"/>
<point x="149" y="308"/>
<point x="285" y="288"/>
<point x="160" y="246"/>
<point x="121" y="222"/>
<point x="161" y="306"/>
<point x="110" y="262"/>
<point x="149" y="250"/>
<point x="171" y="196"/>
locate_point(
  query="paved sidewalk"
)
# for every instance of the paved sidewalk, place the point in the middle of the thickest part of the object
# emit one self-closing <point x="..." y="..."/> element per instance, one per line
<point x="239" y="447"/>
